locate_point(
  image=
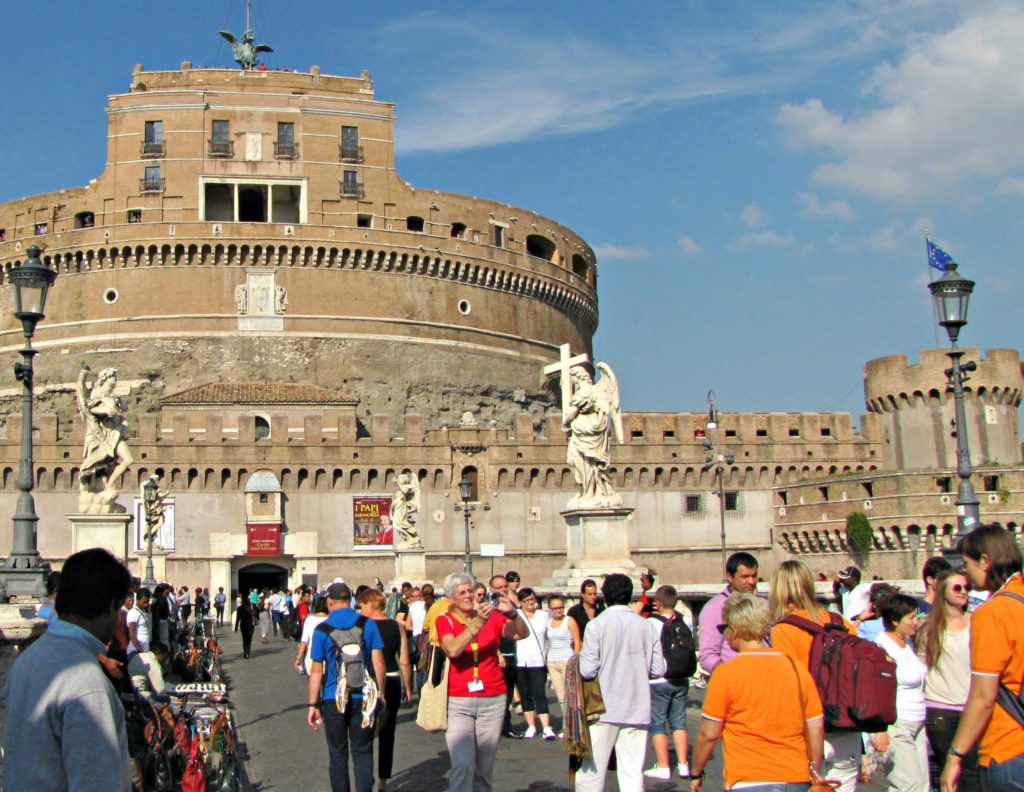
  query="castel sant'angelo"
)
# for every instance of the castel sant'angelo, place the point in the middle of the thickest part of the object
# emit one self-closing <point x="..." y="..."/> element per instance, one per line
<point x="294" y="327"/>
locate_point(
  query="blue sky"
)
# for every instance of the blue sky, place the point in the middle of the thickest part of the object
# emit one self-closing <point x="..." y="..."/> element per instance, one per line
<point x="756" y="178"/>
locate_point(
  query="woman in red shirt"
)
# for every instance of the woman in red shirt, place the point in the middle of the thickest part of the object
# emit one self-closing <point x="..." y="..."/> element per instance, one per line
<point x="469" y="635"/>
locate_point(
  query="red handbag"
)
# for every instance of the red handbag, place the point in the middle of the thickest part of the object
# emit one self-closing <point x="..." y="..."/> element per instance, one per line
<point x="194" y="778"/>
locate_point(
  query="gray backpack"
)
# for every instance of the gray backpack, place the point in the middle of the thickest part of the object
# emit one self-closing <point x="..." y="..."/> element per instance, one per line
<point x="348" y="653"/>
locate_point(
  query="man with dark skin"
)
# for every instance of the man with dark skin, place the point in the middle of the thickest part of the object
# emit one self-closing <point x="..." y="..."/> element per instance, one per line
<point x="507" y="658"/>
<point x="582" y="612"/>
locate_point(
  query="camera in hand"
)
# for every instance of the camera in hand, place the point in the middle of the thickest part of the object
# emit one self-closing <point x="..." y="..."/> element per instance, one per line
<point x="494" y="599"/>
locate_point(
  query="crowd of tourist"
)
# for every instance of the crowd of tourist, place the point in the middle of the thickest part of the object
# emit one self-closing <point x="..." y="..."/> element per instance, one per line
<point x="619" y="668"/>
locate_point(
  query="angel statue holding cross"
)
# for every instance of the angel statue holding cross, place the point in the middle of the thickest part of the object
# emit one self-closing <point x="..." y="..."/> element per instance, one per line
<point x="591" y="414"/>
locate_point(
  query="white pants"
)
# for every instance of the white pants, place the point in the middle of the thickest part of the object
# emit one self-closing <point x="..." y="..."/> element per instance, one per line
<point x="842" y="759"/>
<point x="630" y="744"/>
<point x="909" y="757"/>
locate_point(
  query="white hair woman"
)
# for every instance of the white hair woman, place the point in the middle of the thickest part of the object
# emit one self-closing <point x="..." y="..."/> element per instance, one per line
<point x="469" y="634"/>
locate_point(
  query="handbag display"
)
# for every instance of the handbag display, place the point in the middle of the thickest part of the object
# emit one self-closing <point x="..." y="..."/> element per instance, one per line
<point x="432" y="714"/>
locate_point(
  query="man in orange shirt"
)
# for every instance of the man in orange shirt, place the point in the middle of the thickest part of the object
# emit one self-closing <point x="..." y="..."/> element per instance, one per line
<point x="992" y="562"/>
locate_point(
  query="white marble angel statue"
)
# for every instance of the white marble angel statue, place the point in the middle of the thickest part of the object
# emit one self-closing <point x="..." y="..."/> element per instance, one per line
<point x="405" y="504"/>
<point x="591" y="417"/>
<point x="105" y="454"/>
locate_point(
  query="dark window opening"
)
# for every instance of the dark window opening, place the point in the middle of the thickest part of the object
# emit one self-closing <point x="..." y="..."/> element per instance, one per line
<point x="869" y="489"/>
<point x="220" y="140"/>
<point x="3" y="234"/>
<point x="284" y="204"/>
<point x="350" y="186"/>
<point x="637" y="434"/>
<point x="580" y="267"/>
<point x="220" y="202"/>
<point x="85" y="220"/>
<point x="668" y="434"/>
<point x="944" y="483"/>
<point x="730" y="432"/>
<point x="252" y="204"/>
<point x="153" y="140"/>
<point x="284" y="146"/>
<point x="991" y="483"/>
<point x="540" y="247"/>
<point x="364" y="220"/>
<point x="732" y="501"/>
<point x="262" y="428"/>
<point x="499" y="236"/>
<point x="458" y="230"/>
<point x="784" y="497"/>
<point x="414" y="223"/>
<point x="692" y="504"/>
<point x="794" y="432"/>
<point x="42" y="228"/>
<point x="761" y="433"/>
<point x="350" y="150"/>
<point x="826" y="431"/>
<point x="471" y="474"/>
<point x="824" y="493"/>
<point x="134" y="215"/>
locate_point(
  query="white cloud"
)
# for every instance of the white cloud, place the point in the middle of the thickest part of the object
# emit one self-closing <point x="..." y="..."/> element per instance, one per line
<point x="688" y="246"/>
<point x="950" y="112"/>
<point x="761" y="239"/>
<point x="812" y="206"/>
<point x="620" y="252"/>
<point x="753" y="216"/>
<point x="1010" y="187"/>
<point x="885" y="239"/>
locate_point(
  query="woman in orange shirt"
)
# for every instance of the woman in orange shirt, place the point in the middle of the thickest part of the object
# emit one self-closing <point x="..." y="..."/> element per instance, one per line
<point x="764" y="705"/>
<point x="792" y="594"/>
<point x="992" y="561"/>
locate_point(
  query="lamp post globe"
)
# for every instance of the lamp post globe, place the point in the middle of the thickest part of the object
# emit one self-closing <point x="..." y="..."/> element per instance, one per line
<point x="951" y="294"/>
<point x="23" y="572"/>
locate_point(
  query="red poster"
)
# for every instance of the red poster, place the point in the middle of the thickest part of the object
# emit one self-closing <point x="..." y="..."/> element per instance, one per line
<point x="371" y="522"/>
<point x="264" y="539"/>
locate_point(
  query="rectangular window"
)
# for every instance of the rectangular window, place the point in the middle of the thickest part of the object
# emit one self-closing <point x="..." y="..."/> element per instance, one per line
<point x="272" y="201"/>
<point x="153" y="140"/>
<point x="692" y="504"/>
<point x="285" y="147"/>
<point x="732" y="501"/>
<point x="364" y="220"/>
<point x="350" y="186"/>
<point x="350" y="148"/>
<point x="42" y="228"/>
<point x="991" y="483"/>
<point x="499" y="236"/>
<point x="794" y="432"/>
<point x="944" y="483"/>
<point x="761" y="433"/>
<point x="152" y="182"/>
<point x="826" y="431"/>
<point x="134" y="215"/>
<point x="730" y="432"/>
<point x="220" y="140"/>
<point x="3" y="234"/>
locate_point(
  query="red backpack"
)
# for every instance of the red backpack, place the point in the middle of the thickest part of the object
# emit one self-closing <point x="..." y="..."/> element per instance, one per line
<point x="855" y="678"/>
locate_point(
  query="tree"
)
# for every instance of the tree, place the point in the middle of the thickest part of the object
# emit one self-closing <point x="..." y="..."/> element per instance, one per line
<point x="859" y="533"/>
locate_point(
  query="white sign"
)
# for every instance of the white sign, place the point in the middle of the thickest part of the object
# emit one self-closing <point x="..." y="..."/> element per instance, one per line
<point x="163" y="540"/>
<point x="492" y="551"/>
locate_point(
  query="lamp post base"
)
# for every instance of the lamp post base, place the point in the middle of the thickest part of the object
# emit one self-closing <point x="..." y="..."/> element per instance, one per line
<point x="22" y="580"/>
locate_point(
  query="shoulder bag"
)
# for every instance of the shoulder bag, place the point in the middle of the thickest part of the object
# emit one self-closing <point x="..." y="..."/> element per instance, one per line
<point x="432" y="714"/>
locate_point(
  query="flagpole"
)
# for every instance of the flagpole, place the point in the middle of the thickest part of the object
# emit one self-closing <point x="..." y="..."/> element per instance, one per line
<point x="935" y="309"/>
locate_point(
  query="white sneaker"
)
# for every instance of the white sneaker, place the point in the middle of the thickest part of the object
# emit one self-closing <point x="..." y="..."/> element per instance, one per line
<point x="549" y="733"/>
<point x="684" y="770"/>
<point x="530" y="733"/>
<point x="661" y="773"/>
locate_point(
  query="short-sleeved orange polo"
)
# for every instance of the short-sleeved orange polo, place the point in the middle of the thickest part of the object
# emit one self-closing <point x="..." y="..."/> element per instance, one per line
<point x="997" y="649"/>
<point x="755" y="695"/>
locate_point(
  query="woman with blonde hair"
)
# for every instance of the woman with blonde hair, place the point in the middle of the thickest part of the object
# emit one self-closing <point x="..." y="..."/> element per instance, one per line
<point x="943" y="644"/>
<point x="764" y="705"/>
<point x="792" y="594"/>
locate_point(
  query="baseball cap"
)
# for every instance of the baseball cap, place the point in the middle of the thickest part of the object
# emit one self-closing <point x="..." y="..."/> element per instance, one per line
<point x="339" y="591"/>
<point x="847" y="573"/>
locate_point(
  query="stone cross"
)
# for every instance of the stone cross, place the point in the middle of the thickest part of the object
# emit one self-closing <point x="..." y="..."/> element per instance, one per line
<point x="565" y="362"/>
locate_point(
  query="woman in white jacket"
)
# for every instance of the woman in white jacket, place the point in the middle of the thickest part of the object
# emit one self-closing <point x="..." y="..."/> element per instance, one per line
<point x="531" y="666"/>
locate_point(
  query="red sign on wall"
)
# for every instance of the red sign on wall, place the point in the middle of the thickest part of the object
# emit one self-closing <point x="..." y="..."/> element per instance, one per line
<point x="264" y="539"/>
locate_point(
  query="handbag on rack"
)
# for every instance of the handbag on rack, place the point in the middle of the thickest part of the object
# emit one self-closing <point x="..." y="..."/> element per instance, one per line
<point x="432" y="714"/>
<point x="194" y="777"/>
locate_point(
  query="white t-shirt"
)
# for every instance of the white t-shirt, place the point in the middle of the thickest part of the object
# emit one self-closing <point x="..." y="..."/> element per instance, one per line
<point x="142" y="632"/>
<point x="417" y="613"/>
<point x="857" y="600"/>
<point x="308" y="626"/>
<point x="184" y="599"/>
<point x="532" y="650"/>
<point x="910" y="676"/>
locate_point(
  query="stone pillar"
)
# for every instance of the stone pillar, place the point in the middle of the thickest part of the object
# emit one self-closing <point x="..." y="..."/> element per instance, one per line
<point x="596" y="544"/>
<point x="109" y="531"/>
<point x="410" y="565"/>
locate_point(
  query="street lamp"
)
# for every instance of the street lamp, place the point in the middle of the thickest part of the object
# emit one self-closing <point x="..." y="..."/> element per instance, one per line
<point x="951" y="293"/>
<point x="150" y="499"/>
<point x="23" y="572"/>
<point x="717" y="458"/>
<point x="466" y="491"/>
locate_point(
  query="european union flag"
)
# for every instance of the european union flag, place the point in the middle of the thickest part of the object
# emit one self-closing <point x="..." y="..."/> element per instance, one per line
<point x="938" y="258"/>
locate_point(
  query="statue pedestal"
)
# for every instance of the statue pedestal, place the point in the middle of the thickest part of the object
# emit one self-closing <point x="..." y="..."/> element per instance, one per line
<point x="109" y="531"/>
<point x="596" y="544"/>
<point x="410" y="565"/>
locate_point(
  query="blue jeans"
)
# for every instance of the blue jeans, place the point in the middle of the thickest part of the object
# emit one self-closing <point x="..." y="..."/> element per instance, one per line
<point x="1005" y="776"/>
<point x="344" y="733"/>
<point x="668" y="708"/>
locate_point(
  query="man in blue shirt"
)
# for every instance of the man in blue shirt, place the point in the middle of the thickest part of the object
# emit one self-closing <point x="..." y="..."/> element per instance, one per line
<point x="344" y="730"/>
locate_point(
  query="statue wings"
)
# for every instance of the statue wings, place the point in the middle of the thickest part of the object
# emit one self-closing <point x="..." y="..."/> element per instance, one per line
<point x="608" y="387"/>
<point x="229" y="36"/>
<point x="262" y="48"/>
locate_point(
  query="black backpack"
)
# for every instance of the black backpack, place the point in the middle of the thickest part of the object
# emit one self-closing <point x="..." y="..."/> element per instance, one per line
<point x="678" y="646"/>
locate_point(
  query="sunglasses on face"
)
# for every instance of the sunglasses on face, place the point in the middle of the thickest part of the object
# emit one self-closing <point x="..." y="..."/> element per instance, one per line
<point x="958" y="588"/>
<point x="722" y="628"/>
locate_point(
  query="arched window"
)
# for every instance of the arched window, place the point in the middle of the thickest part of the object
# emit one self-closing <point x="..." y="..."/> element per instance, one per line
<point x="469" y="472"/>
<point x="262" y="428"/>
<point x="540" y="247"/>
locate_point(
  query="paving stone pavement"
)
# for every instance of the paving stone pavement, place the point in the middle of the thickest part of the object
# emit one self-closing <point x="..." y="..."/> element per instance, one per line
<point x="280" y="752"/>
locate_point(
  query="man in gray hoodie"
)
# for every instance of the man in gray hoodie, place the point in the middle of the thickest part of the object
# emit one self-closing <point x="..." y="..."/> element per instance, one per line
<point x="65" y="722"/>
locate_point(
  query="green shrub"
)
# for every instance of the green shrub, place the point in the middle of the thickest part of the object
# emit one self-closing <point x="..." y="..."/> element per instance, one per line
<point x="859" y="533"/>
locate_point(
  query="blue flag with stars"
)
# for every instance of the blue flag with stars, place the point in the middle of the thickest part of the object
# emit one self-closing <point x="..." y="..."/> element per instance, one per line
<point x="937" y="257"/>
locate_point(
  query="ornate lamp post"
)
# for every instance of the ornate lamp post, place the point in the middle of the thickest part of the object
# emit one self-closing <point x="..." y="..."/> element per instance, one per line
<point x="150" y="499"/>
<point x="466" y="491"/>
<point x="951" y="293"/>
<point x="23" y="572"/>
<point x="717" y="458"/>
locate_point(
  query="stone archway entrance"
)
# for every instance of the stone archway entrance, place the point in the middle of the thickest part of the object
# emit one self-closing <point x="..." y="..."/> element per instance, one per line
<point x="261" y="576"/>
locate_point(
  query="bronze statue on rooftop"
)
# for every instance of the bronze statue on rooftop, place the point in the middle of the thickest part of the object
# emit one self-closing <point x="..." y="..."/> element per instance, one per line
<point x="246" y="53"/>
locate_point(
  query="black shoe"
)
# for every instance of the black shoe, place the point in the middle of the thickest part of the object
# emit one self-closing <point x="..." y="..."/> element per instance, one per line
<point x="512" y="734"/>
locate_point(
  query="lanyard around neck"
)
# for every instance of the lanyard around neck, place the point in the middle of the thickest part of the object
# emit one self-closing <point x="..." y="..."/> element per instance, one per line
<point x="474" y="647"/>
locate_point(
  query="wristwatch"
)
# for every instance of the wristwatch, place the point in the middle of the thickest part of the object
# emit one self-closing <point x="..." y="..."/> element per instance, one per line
<point x="954" y="752"/>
